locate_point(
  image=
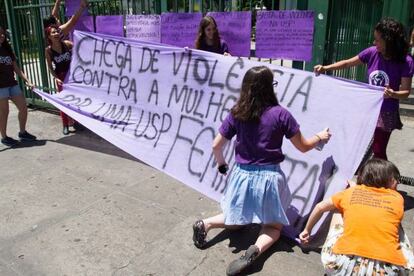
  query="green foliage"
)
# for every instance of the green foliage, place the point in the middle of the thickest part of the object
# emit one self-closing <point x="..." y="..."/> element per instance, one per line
<point x="105" y="7"/>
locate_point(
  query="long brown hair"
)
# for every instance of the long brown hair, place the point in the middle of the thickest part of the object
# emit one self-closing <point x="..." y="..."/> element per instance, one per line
<point x="256" y="94"/>
<point x="378" y="173"/>
<point x="201" y="36"/>
<point x="6" y="45"/>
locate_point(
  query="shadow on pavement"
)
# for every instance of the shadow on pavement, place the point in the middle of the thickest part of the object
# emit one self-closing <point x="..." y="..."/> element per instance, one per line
<point x="88" y="140"/>
<point x="27" y="144"/>
<point x="408" y="201"/>
<point x="282" y="245"/>
<point x="242" y="238"/>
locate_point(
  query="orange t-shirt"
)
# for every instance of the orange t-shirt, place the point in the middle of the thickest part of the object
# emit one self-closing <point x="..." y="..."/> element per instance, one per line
<point x="371" y="220"/>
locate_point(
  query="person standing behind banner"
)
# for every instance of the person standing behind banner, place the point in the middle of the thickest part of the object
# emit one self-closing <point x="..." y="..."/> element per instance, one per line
<point x="58" y="56"/>
<point x="66" y="28"/>
<point x="9" y="89"/>
<point x="208" y="37"/>
<point x="412" y="41"/>
<point x="365" y="237"/>
<point x="252" y="196"/>
<point x="389" y="66"/>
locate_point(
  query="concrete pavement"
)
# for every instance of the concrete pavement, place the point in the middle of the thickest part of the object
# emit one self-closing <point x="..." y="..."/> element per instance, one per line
<point x="76" y="205"/>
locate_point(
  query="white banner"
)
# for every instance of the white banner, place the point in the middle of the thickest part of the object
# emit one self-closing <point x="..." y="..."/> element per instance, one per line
<point x="164" y="106"/>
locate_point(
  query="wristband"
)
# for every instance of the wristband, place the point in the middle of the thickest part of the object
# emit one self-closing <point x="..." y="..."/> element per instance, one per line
<point x="319" y="137"/>
<point x="223" y="168"/>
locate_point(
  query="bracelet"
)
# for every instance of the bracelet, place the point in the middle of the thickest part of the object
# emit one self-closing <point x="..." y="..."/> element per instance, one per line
<point x="319" y="137"/>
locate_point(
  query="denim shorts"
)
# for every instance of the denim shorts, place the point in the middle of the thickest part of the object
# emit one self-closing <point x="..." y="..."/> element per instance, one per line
<point x="10" y="91"/>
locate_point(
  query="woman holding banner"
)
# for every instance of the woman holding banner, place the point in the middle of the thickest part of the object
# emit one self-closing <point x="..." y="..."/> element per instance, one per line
<point x="208" y="37"/>
<point x="252" y="196"/>
<point x="58" y="57"/>
<point x="389" y="66"/>
<point x="9" y="89"/>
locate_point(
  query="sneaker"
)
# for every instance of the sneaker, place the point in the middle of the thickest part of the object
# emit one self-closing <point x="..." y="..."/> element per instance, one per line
<point x="26" y="136"/>
<point x="65" y="130"/>
<point x="199" y="234"/>
<point x="8" y="141"/>
<point x="237" y="266"/>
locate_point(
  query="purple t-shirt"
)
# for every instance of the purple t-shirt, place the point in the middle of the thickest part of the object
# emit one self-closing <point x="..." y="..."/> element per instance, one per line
<point x="223" y="47"/>
<point x="260" y="143"/>
<point x="382" y="72"/>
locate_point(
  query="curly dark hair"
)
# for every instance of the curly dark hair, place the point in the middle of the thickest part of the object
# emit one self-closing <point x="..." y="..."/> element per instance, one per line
<point x="393" y="33"/>
<point x="256" y="94"/>
<point x="204" y="23"/>
<point x="6" y="45"/>
<point x="378" y="173"/>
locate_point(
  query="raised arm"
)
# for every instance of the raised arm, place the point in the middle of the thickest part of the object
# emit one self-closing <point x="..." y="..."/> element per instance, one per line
<point x="56" y="8"/>
<point x="305" y="144"/>
<point x="346" y="63"/>
<point x="320" y="208"/>
<point x="68" y="26"/>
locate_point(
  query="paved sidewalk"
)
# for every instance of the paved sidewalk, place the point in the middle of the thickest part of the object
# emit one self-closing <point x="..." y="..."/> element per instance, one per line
<point x="77" y="205"/>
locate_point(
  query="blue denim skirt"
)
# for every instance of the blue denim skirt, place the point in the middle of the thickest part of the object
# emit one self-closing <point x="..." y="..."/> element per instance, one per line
<point x="252" y="196"/>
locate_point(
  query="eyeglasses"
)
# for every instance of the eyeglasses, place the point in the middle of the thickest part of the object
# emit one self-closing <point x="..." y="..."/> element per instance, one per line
<point x="275" y="83"/>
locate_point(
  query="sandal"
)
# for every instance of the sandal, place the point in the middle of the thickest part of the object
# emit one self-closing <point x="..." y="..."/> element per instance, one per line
<point x="199" y="234"/>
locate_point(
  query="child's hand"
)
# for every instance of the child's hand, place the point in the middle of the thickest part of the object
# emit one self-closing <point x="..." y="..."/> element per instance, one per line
<point x="223" y="168"/>
<point x="318" y="69"/>
<point x="324" y="135"/>
<point x="388" y="92"/>
<point x="304" y="237"/>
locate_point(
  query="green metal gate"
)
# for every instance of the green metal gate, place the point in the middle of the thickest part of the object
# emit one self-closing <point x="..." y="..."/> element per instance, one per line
<point x="349" y="29"/>
<point x="348" y="34"/>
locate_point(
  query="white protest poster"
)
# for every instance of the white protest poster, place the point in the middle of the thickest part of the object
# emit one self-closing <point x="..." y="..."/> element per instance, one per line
<point x="164" y="105"/>
<point x="143" y="27"/>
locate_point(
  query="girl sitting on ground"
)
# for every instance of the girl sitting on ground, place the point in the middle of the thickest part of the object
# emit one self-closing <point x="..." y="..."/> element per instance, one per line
<point x="365" y="237"/>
